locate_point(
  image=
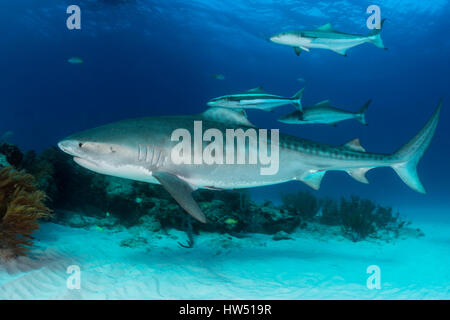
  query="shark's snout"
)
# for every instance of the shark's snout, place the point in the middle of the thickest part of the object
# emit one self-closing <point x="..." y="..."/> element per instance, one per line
<point x="275" y="39"/>
<point x="70" y="146"/>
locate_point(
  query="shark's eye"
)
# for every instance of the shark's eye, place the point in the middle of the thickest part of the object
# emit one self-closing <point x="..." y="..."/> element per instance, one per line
<point x="80" y="145"/>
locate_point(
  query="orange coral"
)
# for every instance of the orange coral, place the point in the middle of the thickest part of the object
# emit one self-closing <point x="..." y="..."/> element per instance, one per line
<point x="21" y="205"/>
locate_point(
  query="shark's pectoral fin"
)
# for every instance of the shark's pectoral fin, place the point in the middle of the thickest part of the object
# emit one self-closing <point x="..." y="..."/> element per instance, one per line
<point x="359" y="174"/>
<point x="313" y="179"/>
<point x="181" y="191"/>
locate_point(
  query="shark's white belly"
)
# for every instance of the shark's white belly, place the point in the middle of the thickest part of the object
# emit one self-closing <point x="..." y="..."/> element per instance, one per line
<point x="336" y="44"/>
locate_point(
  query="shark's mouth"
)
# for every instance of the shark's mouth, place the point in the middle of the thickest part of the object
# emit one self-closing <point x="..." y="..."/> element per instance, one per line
<point x="84" y="162"/>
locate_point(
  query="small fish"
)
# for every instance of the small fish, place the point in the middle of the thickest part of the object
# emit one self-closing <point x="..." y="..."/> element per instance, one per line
<point x="98" y="228"/>
<point x="324" y="113"/>
<point x="256" y="99"/>
<point x="231" y="221"/>
<point x="301" y="80"/>
<point x="325" y="37"/>
<point x="75" y="60"/>
<point x="219" y="76"/>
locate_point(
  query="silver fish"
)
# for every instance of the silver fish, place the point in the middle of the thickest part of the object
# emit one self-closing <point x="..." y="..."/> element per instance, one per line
<point x="325" y="37"/>
<point x="324" y="113"/>
<point x="255" y="98"/>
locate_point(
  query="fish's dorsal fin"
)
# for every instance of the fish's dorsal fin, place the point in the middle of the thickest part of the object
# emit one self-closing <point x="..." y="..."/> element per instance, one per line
<point x="181" y="191"/>
<point x="326" y="27"/>
<point x="232" y="116"/>
<point x="256" y="90"/>
<point x="313" y="179"/>
<point x="325" y="103"/>
<point x="355" y="145"/>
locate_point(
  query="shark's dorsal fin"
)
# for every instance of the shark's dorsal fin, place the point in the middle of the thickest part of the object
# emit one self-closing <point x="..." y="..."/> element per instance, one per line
<point x="325" y="103"/>
<point x="256" y="90"/>
<point x="326" y="27"/>
<point x="231" y="116"/>
<point x="355" y="145"/>
<point x="181" y="191"/>
<point x="313" y="179"/>
<point x="359" y="174"/>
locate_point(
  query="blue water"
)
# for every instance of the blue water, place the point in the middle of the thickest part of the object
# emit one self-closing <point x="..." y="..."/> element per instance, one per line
<point x="148" y="58"/>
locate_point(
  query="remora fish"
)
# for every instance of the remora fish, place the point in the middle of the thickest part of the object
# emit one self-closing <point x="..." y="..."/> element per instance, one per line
<point x="325" y="37"/>
<point x="256" y="99"/>
<point x="324" y="113"/>
<point x="140" y="149"/>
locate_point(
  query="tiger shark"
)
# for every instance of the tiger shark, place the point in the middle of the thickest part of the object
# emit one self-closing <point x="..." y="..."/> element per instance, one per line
<point x="324" y="113"/>
<point x="325" y="37"/>
<point x="256" y="98"/>
<point x="142" y="149"/>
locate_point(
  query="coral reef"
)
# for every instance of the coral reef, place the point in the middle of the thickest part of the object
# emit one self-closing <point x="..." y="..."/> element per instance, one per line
<point x="21" y="205"/>
<point x="303" y="204"/>
<point x="12" y="153"/>
<point x="3" y="161"/>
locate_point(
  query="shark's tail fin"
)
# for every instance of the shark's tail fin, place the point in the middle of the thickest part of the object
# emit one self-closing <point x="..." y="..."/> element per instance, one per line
<point x="361" y="114"/>
<point x="297" y="100"/>
<point x="410" y="154"/>
<point x="375" y="36"/>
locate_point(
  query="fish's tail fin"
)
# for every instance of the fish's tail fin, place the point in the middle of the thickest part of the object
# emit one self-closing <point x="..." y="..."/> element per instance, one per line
<point x="361" y="114"/>
<point x="297" y="100"/>
<point x="375" y="36"/>
<point x="410" y="154"/>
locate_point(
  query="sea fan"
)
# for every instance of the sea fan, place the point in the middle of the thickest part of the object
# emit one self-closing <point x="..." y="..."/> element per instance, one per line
<point x="21" y="205"/>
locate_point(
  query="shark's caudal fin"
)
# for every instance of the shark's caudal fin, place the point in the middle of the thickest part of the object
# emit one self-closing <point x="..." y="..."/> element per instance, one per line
<point x="375" y="36"/>
<point x="361" y="114"/>
<point x="410" y="154"/>
<point x="297" y="100"/>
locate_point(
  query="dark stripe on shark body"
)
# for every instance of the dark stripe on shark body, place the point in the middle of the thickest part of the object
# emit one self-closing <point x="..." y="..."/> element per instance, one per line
<point x="334" y="152"/>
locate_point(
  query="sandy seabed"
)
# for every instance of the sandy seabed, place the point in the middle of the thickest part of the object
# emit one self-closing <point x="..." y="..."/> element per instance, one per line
<point x="224" y="267"/>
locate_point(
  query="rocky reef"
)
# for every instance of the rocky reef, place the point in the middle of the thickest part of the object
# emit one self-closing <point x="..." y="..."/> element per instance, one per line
<point x="84" y="199"/>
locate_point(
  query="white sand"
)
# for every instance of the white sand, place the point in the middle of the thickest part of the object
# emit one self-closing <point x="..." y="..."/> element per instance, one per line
<point x="310" y="267"/>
